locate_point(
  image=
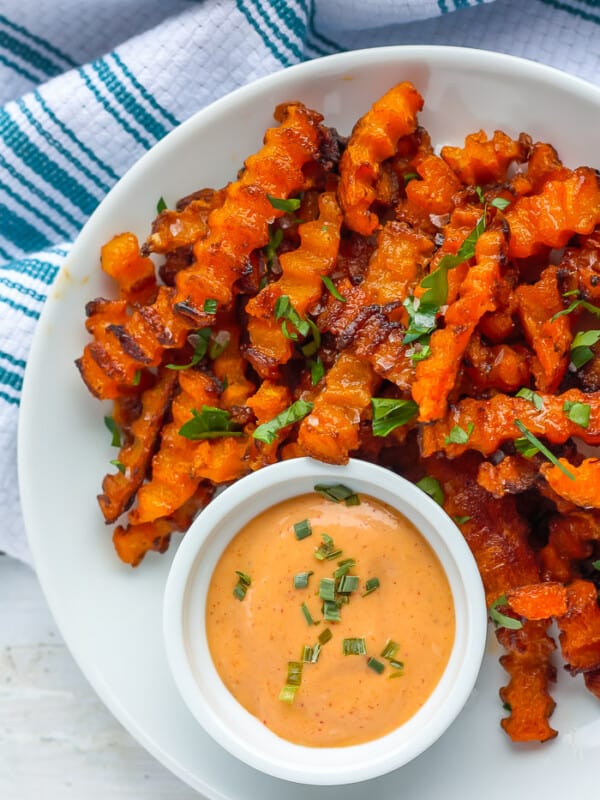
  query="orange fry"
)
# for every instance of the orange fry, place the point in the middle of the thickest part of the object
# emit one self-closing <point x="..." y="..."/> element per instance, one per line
<point x="583" y="488"/>
<point x="580" y="628"/>
<point x="538" y="600"/>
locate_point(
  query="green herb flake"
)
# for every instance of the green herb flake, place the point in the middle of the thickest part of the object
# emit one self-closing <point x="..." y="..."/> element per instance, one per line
<point x="579" y="413"/>
<point x="541" y="447"/>
<point x="422" y="320"/>
<point x="267" y="432"/>
<point x="433" y="488"/>
<point x="532" y="397"/>
<point x="209" y="423"/>
<point x="302" y="529"/>
<point x="389" y="413"/>
<point x="137" y="377"/>
<point x="307" y="615"/>
<point x="241" y="587"/>
<point x="301" y="579"/>
<point x="285" y="311"/>
<point x="581" y="347"/>
<point x="114" y="429"/>
<point x="338" y="493"/>
<point x="501" y="619"/>
<point x="354" y="646"/>
<point x="161" y="205"/>
<point x="375" y="665"/>
<point x="288" y="693"/>
<point x="270" y="249"/>
<point x="422" y="352"/>
<point x="200" y="350"/>
<point x="461" y="520"/>
<point x="311" y="347"/>
<point x="325" y="636"/>
<point x="411" y="176"/>
<point x="596" y="564"/>
<point x="330" y="286"/>
<point x="500" y="203"/>
<point x="210" y="306"/>
<point x="370" y="586"/>
<point x="281" y="204"/>
<point x="525" y="447"/>
<point x="218" y="344"/>
<point x="119" y="465"/>
<point x="458" y="435"/>
<point x="317" y="370"/>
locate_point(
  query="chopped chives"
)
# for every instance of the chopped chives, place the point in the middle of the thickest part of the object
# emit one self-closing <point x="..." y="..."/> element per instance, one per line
<point x="114" y="429"/>
<point x="118" y="464"/>
<point x="302" y="529"/>
<point x="294" y="673"/>
<point x="301" y="579"/>
<point x="375" y="665"/>
<point x="390" y="649"/>
<point x="327" y="550"/>
<point x="348" y="583"/>
<point x="325" y="636"/>
<point x="338" y="493"/>
<point x="210" y="305"/>
<point x="288" y="693"/>
<point x="331" y="611"/>
<point x="370" y="586"/>
<point x="396" y="664"/>
<point x="308" y="615"/>
<point x="344" y="567"/>
<point x="527" y="434"/>
<point x="354" y="646"/>
<point x="307" y="654"/>
<point x="241" y="587"/>
<point x="327" y="589"/>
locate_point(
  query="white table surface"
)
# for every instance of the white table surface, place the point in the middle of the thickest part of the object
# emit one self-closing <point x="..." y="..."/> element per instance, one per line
<point x="57" y="739"/>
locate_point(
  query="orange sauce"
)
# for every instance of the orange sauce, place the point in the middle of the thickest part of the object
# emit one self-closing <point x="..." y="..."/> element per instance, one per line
<point x="341" y="700"/>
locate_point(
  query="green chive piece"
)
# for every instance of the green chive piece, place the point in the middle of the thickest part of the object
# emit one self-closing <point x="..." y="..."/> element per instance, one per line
<point x="285" y="311"/>
<point x="267" y="432"/>
<point x="327" y="550"/>
<point x="348" y="583"/>
<point x="533" y="397"/>
<point x="375" y="665"/>
<point x="461" y="520"/>
<point x="501" y="619"/>
<point x="354" y="646"/>
<point x="200" y="350"/>
<point x="433" y="488"/>
<point x="294" y="673"/>
<point x="330" y="286"/>
<point x="118" y="464"/>
<point x="579" y="413"/>
<point x="411" y="176"/>
<point x="241" y="587"/>
<point x="390" y="649"/>
<point x="302" y="529"/>
<point x="218" y="344"/>
<point x="399" y="665"/>
<point x="422" y="354"/>
<point x="288" y="693"/>
<point x="209" y="423"/>
<point x="114" y="429"/>
<point x="325" y="636"/>
<point x="137" y="376"/>
<point x="338" y="493"/>
<point x="344" y="567"/>
<point x="327" y="589"/>
<point x="331" y="611"/>
<point x="308" y="615"/>
<point x="307" y="654"/>
<point x="525" y="447"/>
<point x="370" y="586"/>
<point x="301" y="579"/>
<point x="317" y="370"/>
<point x="281" y="204"/>
<point x="596" y="564"/>
<point x="458" y="435"/>
<point x="389" y="413"/>
<point x="210" y="305"/>
<point x="542" y="449"/>
<point x="161" y="205"/>
<point x="311" y="347"/>
<point x="575" y="305"/>
<point x="270" y="249"/>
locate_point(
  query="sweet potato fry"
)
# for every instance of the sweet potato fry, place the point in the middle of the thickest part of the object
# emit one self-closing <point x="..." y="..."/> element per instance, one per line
<point x="482" y="160"/>
<point x="571" y="540"/>
<point x="374" y="138"/>
<point x="500" y="366"/>
<point x="538" y="600"/>
<point x="583" y="488"/>
<point x="134" y="274"/>
<point x="580" y="628"/>
<point x="173" y="229"/>
<point x="513" y="475"/>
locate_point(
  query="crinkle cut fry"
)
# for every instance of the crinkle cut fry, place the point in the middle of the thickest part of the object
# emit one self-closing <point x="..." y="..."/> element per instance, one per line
<point x="550" y="337"/>
<point x="237" y="227"/>
<point x="571" y="539"/>
<point x="537" y="601"/>
<point x="562" y="208"/>
<point x="118" y="490"/>
<point x="494" y="422"/>
<point x="437" y="375"/>
<point x="497" y="536"/>
<point x="134" y="274"/>
<point x="269" y="400"/>
<point x="583" y="489"/>
<point x="498" y="366"/>
<point x="331" y="431"/>
<point x="132" y="542"/>
<point x="230" y="366"/>
<point x="182" y="227"/>
<point x="300" y="281"/>
<point x="580" y="628"/>
<point x="374" y="139"/>
<point x="241" y="224"/>
<point x="513" y="475"/>
<point x="482" y="160"/>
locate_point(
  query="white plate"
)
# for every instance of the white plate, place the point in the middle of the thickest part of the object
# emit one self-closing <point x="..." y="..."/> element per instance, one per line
<point x="109" y="614"/>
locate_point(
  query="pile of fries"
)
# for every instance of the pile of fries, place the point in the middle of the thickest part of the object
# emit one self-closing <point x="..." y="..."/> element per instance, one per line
<point x="369" y="297"/>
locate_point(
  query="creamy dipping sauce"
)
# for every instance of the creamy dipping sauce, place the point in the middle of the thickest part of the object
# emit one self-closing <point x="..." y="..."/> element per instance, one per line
<point x="341" y="700"/>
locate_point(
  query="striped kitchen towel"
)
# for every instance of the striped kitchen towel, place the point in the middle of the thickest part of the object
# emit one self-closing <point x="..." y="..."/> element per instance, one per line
<point x="87" y="87"/>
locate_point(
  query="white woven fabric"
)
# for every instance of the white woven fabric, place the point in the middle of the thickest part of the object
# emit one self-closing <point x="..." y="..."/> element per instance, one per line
<point x="87" y="87"/>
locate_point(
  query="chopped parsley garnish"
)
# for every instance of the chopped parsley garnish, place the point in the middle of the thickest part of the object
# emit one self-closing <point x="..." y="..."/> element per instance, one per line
<point x="500" y="203"/>
<point x="210" y="306"/>
<point x="330" y="286"/>
<point x="241" y="587"/>
<point x="433" y="488"/>
<point x="422" y="320"/>
<point x="281" y="204"/>
<point x="301" y="579"/>
<point x="161" y="205"/>
<point x="459" y="435"/>
<point x="311" y="347"/>
<point x="579" y="413"/>
<point x="370" y="586"/>
<point x="338" y="493"/>
<point x="200" y="349"/>
<point x="354" y="646"/>
<point x="209" y="423"/>
<point x="501" y="619"/>
<point x="285" y="311"/>
<point x="114" y="429"/>
<point x="575" y="305"/>
<point x="267" y="432"/>
<point x="390" y="413"/>
<point x="461" y="520"/>
<point x="137" y="376"/>
<point x="596" y="564"/>
<point x="411" y="176"/>
<point x="302" y="529"/>
<point x="317" y="370"/>
<point x="581" y="347"/>
<point x="218" y="344"/>
<point x="540" y="447"/>
<point x="270" y="249"/>
<point x="118" y="464"/>
<point x="533" y="397"/>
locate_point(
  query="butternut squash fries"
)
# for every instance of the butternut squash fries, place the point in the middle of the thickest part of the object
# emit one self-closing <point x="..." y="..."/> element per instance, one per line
<point x="371" y="298"/>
